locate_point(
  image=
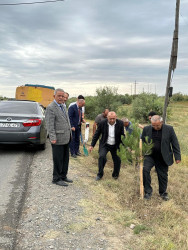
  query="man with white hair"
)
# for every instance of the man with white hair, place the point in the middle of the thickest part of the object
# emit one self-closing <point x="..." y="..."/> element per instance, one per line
<point x="165" y="145"/>
<point x="127" y="125"/>
<point x="58" y="126"/>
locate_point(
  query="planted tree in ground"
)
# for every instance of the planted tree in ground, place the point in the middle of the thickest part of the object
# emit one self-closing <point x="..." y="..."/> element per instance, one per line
<point x="129" y="151"/>
<point x="132" y="150"/>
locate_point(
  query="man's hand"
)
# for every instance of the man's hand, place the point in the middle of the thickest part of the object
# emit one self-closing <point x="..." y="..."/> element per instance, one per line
<point x="178" y="161"/>
<point x="90" y="149"/>
<point x="53" y="142"/>
<point x="73" y="128"/>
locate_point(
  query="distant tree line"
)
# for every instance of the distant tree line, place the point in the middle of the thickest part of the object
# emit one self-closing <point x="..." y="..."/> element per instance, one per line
<point x="179" y="97"/>
<point x="108" y="97"/>
<point x="3" y="98"/>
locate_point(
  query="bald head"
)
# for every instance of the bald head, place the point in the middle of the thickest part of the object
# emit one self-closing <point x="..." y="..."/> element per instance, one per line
<point x="111" y="117"/>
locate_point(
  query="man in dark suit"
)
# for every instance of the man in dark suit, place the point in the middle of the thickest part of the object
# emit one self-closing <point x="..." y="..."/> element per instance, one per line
<point x="75" y="116"/>
<point x="59" y="130"/>
<point x="165" y="145"/>
<point x="111" y="131"/>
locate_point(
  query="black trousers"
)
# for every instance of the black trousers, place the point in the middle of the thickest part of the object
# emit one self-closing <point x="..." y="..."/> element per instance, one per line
<point x="60" y="161"/>
<point x="162" y="173"/>
<point x="102" y="159"/>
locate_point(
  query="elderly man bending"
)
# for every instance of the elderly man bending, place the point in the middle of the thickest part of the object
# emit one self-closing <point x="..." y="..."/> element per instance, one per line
<point x="165" y="146"/>
<point x="111" y="130"/>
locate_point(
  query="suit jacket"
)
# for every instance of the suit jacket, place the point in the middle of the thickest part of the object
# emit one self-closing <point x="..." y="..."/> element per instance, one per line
<point x="169" y="143"/>
<point x="102" y="129"/>
<point x="74" y="115"/>
<point x="58" y="124"/>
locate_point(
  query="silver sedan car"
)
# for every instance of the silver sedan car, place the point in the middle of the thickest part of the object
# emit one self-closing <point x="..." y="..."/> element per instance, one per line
<point x="22" y="122"/>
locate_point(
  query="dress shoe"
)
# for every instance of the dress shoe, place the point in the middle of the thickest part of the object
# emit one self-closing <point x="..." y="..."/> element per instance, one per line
<point x="115" y="177"/>
<point x="164" y="196"/>
<point x="61" y="183"/>
<point x="147" y="196"/>
<point x="74" y="156"/>
<point x="78" y="154"/>
<point x="98" y="178"/>
<point x="67" y="180"/>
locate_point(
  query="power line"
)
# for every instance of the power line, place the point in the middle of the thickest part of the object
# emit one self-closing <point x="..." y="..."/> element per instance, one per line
<point x="48" y="1"/>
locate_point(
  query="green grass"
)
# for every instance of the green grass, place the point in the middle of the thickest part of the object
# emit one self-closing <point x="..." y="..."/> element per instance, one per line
<point x="158" y="224"/>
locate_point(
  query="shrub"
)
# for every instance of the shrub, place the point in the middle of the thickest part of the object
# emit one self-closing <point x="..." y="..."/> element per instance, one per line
<point x="143" y="104"/>
<point x="179" y="97"/>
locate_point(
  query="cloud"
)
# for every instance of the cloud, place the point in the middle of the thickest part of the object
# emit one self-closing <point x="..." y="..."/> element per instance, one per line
<point x="91" y="43"/>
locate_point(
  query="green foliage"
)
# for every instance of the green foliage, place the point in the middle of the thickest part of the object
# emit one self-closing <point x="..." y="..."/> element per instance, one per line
<point x="70" y="100"/>
<point x="123" y="111"/>
<point x="91" y="109"/>
<point x="124" y="99"/>
<point x="139" y="228"/>
<point x="3" y="98"/>
<point x="106" y="98"/>
<point x="129" y="151"/>
<point x="179" y="97"/>
<point x="144" y="103"/>
<point x="147" y="147"/>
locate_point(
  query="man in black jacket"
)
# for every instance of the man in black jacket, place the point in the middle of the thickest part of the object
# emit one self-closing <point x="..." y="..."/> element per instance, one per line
<point x="111" y="131"/>
<point x="165" y="146"/>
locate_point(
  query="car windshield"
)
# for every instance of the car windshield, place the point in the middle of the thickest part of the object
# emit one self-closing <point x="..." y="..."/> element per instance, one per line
<point x="18" y="108"/>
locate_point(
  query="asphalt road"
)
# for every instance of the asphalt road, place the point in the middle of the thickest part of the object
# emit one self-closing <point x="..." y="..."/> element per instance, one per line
<point x="15" y="162"/>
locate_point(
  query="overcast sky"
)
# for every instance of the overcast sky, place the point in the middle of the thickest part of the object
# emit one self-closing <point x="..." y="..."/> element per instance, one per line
<point x="80" y="45"/>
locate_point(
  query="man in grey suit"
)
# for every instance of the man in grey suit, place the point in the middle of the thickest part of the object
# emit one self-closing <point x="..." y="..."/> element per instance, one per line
<point x="165" y="145"/>
<point x="59" y="130"/>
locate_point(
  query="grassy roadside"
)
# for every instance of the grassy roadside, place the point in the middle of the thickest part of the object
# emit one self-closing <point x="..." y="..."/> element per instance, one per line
<point x="157" y="224"/>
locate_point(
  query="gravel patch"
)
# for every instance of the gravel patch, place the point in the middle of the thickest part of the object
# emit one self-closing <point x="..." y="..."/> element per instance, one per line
<point x="52" y="216"/>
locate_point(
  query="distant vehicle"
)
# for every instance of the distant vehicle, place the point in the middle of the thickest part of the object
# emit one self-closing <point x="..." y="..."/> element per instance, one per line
<point x="22" y="122"/>
<point x="38" y="93"/>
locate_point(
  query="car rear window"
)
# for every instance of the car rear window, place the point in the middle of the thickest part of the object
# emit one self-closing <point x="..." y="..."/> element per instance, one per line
<point x="18" y="108"/>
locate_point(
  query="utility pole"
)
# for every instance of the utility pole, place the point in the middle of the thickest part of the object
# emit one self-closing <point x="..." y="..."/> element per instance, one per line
<point x="173" y="60"/>
<point x="135" y="87"/>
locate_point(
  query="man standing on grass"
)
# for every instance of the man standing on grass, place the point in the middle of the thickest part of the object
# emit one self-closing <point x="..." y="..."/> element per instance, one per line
<point x="111" y="130"/>
<point x="99" y="118"/>
<point x="165" y="146"/>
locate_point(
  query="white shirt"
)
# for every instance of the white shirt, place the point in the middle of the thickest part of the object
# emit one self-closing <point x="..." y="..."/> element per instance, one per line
<point x="111" y="134"/>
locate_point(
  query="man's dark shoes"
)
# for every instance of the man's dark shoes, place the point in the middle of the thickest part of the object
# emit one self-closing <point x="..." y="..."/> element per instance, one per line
<point x="115" y="177"/>
<point x="68" y="180"/>
<point x="78" y="154"/>
<point x="147" y="196"/>
<point x="74" y="156"/>
<point x="60" y="183"/>
<point x="164" y="196"/>
<point x="98" y="178"/>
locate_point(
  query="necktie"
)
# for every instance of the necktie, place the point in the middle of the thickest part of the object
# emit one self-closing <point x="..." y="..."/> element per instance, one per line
<point x="79" y="113"/>
<point x="63" y="109"/>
